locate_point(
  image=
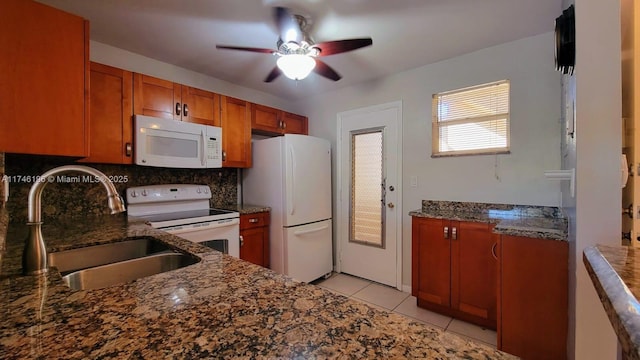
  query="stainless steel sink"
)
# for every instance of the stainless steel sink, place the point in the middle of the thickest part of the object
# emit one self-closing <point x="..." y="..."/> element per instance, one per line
<point x="124" y="271"/>
<point x="91" y="256"/>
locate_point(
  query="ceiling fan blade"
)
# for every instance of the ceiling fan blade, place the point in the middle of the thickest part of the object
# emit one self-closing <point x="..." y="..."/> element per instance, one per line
<point x="258" y="50"/>
<point x="326" y="71"/>
<point x="340" y="46"/>
<point x="288" y="27"/>
<point x="273" y="74"/>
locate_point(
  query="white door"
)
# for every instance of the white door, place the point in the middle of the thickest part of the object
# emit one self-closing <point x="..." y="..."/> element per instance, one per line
<point x="308" y="251"/>
<point x="369" y="211"/>
<point x="307" y="179"/>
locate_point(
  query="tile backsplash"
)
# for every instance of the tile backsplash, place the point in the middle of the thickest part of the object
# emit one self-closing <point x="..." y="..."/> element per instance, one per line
<point x="70" y="199"/>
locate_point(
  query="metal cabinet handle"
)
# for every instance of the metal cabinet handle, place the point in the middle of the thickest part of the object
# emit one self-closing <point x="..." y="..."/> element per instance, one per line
<point x="493" y="250"/>
<point x="454" y="233"/>
<point x="241" y="240"/>
<point x="253" y="220"/>
<point x="446" y="232"/>
<point x="224" y="155"/>
<point x="185" y="110"/>
<point x="128" y="149"/>
<point x="178" y="108"/>
<point x="284" y="125"/>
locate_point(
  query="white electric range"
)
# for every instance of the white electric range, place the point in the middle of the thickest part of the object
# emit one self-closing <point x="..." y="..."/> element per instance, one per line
<point x="183" y="210"/>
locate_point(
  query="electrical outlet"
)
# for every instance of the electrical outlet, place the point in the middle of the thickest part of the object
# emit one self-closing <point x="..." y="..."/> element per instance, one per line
<point x="414" y="181"/>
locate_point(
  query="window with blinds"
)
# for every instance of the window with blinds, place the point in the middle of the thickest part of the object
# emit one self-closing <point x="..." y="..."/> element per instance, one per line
<point x="473" y="120"/>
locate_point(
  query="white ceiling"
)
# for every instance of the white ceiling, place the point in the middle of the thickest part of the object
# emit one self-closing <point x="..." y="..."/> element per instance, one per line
<point x="406" y="33"/>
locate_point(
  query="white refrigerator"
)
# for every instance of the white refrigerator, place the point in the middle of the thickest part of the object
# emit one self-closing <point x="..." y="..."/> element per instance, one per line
<point x="292" y="175"/>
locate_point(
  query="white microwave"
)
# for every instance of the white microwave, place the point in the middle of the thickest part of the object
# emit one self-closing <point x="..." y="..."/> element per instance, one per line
<point x="176" y="144"/>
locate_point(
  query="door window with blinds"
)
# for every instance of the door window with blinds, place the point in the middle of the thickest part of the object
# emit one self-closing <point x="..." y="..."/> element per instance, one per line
<point x="367" y="188"/>
<point x="473" y="120"/>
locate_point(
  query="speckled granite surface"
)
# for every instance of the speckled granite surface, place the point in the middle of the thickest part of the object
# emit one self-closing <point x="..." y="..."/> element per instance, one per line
<point x="76" y="199"/>
<point x="221" y="307"/>
<point x="244" y="209"/>
<point x="517" y="220"/>
<point x="615" y="272"/>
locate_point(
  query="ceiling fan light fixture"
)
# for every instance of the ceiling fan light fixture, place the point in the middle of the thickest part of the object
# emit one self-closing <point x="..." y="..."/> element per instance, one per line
<point x="296" y="66"/>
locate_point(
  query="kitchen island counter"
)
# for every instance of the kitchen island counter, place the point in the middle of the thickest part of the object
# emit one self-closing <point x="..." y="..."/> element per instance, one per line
<point x="221" y="307"/>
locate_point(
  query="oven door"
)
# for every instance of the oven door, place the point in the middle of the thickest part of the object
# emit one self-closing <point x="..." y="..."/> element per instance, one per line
<point x="228" y="229"/>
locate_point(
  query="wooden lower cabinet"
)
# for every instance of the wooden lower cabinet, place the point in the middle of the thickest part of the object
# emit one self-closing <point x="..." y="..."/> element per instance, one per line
<point x="254" y="238"/>
<point x="533" y="297"/>
<point x="454" y="269"/>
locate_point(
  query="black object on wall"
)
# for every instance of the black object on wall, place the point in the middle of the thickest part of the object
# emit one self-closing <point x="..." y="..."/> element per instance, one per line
<point x="565" y="51"/>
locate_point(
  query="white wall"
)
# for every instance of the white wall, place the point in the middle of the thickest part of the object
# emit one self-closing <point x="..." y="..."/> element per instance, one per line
<point x="109" y="55"/>
<point x="516" y="178"/>
<point x="594" y="214"/>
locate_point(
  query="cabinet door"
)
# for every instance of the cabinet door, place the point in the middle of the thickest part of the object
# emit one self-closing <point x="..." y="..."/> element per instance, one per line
<point x="294" y="124"/>
<point x="431" y="252"/>
<point x="265" y="119"/>
<point x="533" y="297"/>
<point x="474" y="271"/>
<point x="236" y="132"/>
<point x="200" y="106"/>
<point x="111" y="115"/>
<point x="156" y="97"/>
<point x="45" y="80"/>
<point x="253" y="244"/>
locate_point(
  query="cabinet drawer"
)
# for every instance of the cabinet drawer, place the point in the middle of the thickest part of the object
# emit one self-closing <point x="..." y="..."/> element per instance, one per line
<point x="249" y="221"/>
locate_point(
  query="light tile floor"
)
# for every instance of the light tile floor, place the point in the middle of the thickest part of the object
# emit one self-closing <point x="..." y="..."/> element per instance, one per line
<point x="390" y="299"/>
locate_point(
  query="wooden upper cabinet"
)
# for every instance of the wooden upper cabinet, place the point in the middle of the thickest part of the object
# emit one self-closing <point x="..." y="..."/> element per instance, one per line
<point x="265" y="119"/>
<point x="111" y="96"/>
<point x="269" y="121"/>
<point x="169" y="100"/>
<point x="294" y="124"/>
<point x="45" y="80"/>
<point x="200" y="106"/>
<point x="155" y="97"/>
<point x="236" y="132"/>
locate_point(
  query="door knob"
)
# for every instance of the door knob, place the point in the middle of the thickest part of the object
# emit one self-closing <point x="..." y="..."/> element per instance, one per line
<point x="390" y="205"/>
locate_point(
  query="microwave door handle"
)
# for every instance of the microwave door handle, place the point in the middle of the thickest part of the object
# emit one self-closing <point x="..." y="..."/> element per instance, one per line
<point x="202" y="156"/>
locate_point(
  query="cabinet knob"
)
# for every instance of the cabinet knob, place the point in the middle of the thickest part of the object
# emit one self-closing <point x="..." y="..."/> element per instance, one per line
<point x="128" y="150"/>
<point x="454" y="233"/>
<point x="224" y="155"/>
<point x="178" y="108"/>
<point x="253" y="220"/>
<point x="241" y="240"/>
<point x="446" y="232"/>
<point x="493" y="251"/>
<point x="185" y="110"/>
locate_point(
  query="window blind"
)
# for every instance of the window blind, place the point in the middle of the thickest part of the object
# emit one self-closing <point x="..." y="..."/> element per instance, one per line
<point x="472" y="120"/>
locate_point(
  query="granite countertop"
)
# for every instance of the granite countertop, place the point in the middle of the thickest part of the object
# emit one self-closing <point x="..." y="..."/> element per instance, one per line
<point x="244" y="209"/>
<point x="527" y="221"/>
<point x="221" y="307"/>
<point x="615" y="272"/>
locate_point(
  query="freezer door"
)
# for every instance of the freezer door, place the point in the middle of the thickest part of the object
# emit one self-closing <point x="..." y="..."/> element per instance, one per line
<point x="308" y="251"/>
<point x="307" y="179"/>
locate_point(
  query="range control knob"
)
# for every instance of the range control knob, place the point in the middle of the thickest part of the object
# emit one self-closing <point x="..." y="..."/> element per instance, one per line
<point x="198" y="190"/>
<point x="206" y="191"/>
<point x="134" y="193"/>
<point x="144" y="192"/>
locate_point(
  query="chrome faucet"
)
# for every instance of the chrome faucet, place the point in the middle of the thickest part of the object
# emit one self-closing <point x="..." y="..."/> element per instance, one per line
<point x="34" y="258"/>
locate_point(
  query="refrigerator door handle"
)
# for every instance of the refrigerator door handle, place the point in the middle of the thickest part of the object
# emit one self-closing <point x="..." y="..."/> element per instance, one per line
<point x="292" y="185"/>
<point x="305" y="232"/>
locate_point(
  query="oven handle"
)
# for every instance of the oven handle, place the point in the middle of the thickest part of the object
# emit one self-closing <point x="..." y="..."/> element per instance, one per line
<point x="214" y="225"/>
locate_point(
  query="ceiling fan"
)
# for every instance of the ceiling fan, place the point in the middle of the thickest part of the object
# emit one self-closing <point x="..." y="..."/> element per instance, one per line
<point x="297" y="53"/>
